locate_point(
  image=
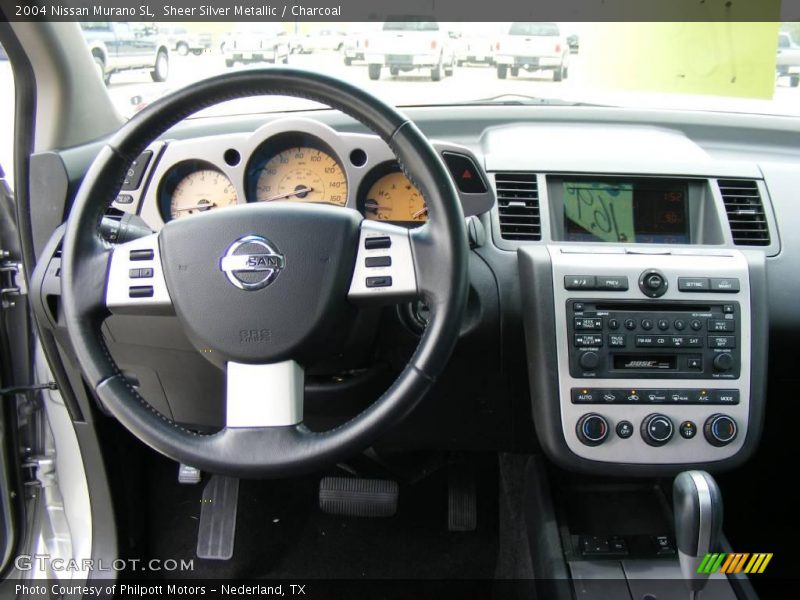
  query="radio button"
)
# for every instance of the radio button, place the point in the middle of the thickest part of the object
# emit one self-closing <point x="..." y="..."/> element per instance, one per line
<point x="584" y="340"/>
<point x="696" y="325"/>
<point x="679" y="324"/>
<point x="589" y="360"/>
<point x="645" y="341"/>
<point x="630" y="324"/>
<point x="693" y="284"/>
<point x="580" y="282"/>
<point x="647" y="324"/>
<point x="612" y="283"/>
<point x="653" y="284"/>
<point x="617" y="340"/>
<point x="663" y="341"/>
<point x="694" y="342"/>
<point x="663" y="324"/>
<point x="721" y="341"/>
<point x="723" y="362"/>
<point x="588" y="324"/>
<point x="613" y="324"/>
<point x="677" y="341"/>
<point x="694" y="363"/>
<point x="721" y="325"/>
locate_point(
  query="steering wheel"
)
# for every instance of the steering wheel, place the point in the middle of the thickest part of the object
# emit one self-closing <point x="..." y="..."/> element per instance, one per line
<point x="263" y="288"/>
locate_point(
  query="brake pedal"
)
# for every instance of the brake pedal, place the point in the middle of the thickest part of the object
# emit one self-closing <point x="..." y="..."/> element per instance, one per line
<point x="354" y="497"/>
<point x="217" y="530"/>
<point x="462" y="500"/>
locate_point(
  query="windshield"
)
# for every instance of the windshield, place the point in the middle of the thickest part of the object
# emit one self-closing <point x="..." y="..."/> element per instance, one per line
<point x="750" y="67"/>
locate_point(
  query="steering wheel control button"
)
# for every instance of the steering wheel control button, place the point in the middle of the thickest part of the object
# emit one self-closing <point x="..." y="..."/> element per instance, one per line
<point x="657" y="429"/>
<point x="142" y="254"/>
<point x="140" y="273"/>
<point x="726" y="285"/>
<point x="720" y="430"/>
<point x="624" y="429"/>
<point x="378" y="261"/>
<point x="580" y="282"/>
<point x="133" y="176"/>
<point x="693" y="284"/>
<point x="688" y="430"/>
<point x="589" y="360"/>
<point x="378" y="242"/>
<point x="592" y="429"/>
<point x="612" y="283"/>
<point x="123" y="199"/>
<point x="141" y="291"/>
<point x="652" y="283"/>
<point x="374" y="282"/>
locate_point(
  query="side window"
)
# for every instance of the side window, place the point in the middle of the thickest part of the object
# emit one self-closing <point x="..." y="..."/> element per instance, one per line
<point x="783" y="41"/>
<point x="6" y="117"/>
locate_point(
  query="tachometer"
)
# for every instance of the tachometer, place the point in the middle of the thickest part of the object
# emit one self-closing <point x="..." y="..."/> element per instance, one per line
<point x="394" y="198"/>
<point x="195" y="187"/>
<point x="302" y="174"/>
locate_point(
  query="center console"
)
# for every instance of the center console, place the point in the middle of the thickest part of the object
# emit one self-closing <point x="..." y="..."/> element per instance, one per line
<point x="645" y="327"/>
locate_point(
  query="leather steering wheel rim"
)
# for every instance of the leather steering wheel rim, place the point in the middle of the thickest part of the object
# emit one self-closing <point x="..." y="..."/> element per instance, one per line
<point x="440" y="262"/>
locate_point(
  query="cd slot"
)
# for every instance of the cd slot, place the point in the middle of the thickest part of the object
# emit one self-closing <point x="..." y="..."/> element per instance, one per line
<point x="651" y="307"/>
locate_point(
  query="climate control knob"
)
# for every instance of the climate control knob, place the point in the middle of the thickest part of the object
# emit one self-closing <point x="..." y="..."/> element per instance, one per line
<point x="657" y="429"/>
<point x="720" y="430"/>
<point x="592" y="429"/>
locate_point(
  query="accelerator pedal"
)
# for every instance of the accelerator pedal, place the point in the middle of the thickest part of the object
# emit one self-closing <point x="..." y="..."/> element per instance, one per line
<point x="462" y="500"/>
<point x="354" y="497"/>
<point x="217" y="529"/>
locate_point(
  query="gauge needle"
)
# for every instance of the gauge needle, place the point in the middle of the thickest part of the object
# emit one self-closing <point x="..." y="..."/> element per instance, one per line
<point x="195" y="207"/>
<point x="420" y="212"/>
<point x="297" y="192"/>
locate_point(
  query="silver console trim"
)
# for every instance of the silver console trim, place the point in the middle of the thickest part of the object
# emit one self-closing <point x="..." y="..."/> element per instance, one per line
<point x="673" y="262"/>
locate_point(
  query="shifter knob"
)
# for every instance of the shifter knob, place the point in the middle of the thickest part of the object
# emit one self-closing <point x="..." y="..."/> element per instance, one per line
<point x="697" y="504"/>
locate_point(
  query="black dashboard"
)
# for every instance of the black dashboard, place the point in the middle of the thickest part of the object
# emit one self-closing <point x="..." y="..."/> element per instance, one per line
<point x="626" y="272"/>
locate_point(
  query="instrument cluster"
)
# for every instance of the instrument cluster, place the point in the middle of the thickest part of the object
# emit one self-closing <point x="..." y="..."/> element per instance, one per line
<point x="296" y="160"/>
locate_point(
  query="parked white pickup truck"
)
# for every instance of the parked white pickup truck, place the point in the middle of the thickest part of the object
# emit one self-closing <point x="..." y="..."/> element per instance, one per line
<point x="533" y="47"/>
<point x="788" y="61"/>
<point x="406" y="45"/>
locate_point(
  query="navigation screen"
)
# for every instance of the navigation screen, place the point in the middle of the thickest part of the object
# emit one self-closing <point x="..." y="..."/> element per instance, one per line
<point x="637" y="212"/>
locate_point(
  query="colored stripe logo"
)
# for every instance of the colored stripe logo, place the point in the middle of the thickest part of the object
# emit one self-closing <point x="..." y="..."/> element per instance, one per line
<point x="735" y="562"/>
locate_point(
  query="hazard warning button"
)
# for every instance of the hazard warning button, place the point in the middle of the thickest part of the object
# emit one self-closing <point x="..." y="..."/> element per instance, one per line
<point x="466" y="175"/>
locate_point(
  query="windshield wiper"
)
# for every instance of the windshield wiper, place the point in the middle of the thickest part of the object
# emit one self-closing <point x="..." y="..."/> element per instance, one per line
<point x="525" y="100"/>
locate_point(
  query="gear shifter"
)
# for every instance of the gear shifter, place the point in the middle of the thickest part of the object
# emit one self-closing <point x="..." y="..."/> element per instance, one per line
<point x="697" y="505"/>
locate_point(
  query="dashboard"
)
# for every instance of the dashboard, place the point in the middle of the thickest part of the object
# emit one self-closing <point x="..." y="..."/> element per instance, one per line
<point x="628" y="277"/>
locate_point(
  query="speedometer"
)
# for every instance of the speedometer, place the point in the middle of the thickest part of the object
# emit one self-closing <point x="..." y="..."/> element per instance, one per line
<point x="302" y="174"/>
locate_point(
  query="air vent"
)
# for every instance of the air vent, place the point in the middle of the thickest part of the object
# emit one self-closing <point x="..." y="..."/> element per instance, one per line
<point x="745" y="211"/>
<point x="518" y="204"/>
